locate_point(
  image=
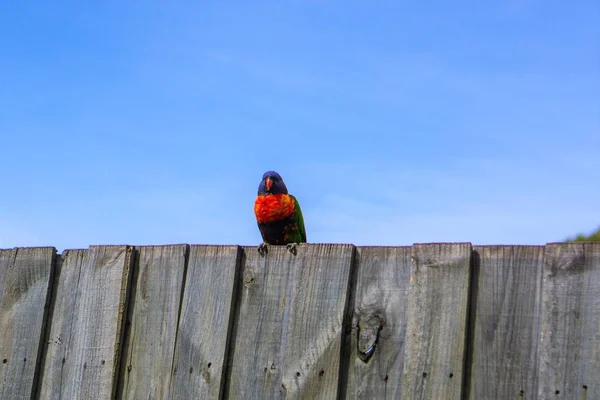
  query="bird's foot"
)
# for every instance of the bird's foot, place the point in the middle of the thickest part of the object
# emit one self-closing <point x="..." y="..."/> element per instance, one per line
<point x="292" y="247"/>
<point x="263" y="249"/>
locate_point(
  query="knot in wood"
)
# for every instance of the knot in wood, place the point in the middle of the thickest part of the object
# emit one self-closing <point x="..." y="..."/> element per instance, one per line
<point x="368" y="337"/>
<point x="248" y="278"/>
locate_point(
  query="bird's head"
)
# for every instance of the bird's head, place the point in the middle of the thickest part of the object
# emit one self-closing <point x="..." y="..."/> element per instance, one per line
<point x="271" y="183"/>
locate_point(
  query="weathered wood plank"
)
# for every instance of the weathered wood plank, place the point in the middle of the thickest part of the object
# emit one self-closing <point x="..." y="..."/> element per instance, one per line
<point x="381" y="301"/>
<point x="256" y="359"/>
<point x="87" y="323"/>
<point x="27" y="278"/>
<point x="153" y="312"/>
<point x="437" y="321"/>
<point x="289" y="329"/>
<point x="319" y="298"/>
<point x="570" y="331"/>
<point x="60" y="319"/>
<point x="506" y="322"/>
<point x="206" y="321"/>
<point x="6" y="255"/>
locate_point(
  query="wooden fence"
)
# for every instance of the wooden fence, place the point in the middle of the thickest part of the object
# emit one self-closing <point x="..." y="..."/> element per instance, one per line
<point x="430" y="321"/>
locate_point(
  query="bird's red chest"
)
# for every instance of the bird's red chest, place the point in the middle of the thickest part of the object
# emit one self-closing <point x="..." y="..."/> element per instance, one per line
<point x="273" y="207"/>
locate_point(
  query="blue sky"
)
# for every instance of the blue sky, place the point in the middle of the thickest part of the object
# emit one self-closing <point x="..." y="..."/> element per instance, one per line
<point x="152" y="122"/>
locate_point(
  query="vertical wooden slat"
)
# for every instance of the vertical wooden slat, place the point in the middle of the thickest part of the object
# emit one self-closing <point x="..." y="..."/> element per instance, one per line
<point x="506" y="321"/>
<point x="381" y="302"/>
<point x="6" y="256"/>
<point x="289" y="329"/>
<point x="90" y="311"/>
<point x="256" y="362"/>
<point x="570" y="331"/>
<point x="205" y="323"/>
<point x="25" y="278"/>
<point x="437" y="321"/>
<point x="154" y="313"/>
<point x="60" y="319"/>
<point x="287" y="336"/>
<point x="317" y="303"/>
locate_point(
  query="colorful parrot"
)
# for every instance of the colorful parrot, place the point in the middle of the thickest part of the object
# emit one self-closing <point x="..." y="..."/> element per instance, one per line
<point x="278" y="214"/>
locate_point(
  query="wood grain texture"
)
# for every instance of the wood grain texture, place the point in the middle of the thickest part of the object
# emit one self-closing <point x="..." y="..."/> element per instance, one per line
<point x="570" y="331"/>
<point x="289" y="326"/>
<point x="154" y="313"/>
<point x="241" y="326"/>
<point x="256" y="359"/>
<point x="506" y="322"/>
<point x="60" y="319"/>
<point x="6" y="255"/>
<point x="25" y="296"/>
<point x="437" y="321"/>
<point x="87" y="323"/>
<point x="381" y="300"/>
<point x="206" y="321"/>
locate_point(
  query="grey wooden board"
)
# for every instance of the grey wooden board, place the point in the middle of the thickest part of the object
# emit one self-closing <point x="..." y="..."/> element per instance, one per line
<point x="6" y="255"/>
<point x="60" y="319"/>
<point x="289" y="326"/>
<point x="506" y="322"/>
<point x="381" y="296"/>
<point x="154" y="313"/>
<point x="25" y="296"/>
<point x="437" y="321"/>
<point x="570" y="332"/>
<point x="93" y="324"/>
<point x="205" y="323"/>
<point x="256" y="359"/>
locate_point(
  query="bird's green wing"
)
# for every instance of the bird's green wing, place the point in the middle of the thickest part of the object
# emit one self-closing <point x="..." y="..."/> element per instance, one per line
<point x="299" y="220"/>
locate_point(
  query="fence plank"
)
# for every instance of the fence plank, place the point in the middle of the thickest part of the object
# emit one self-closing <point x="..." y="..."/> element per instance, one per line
<point x="290" y="324"/>
<point x="93" y="324"/>
<point x="437" y="318"/>
<point x="506" y="322"/>
<point x="62" y="309"/>
<point x="285" y="338"/>
<point x="154" y="312"/>
<point x="6" y="255"/>
<point x="381" y="300"/>
<point x="25" y="295"/>
<point x="319" y="296"/>
<point x="206" y="321"/>
<point x="570" y="332"/>
<point x="256" y="360"/>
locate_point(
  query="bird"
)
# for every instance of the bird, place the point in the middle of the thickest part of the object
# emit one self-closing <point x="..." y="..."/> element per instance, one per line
<point x="278" y="214"/>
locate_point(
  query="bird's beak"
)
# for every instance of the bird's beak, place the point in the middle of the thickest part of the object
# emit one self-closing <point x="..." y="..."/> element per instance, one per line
<point x="268" y="184"/>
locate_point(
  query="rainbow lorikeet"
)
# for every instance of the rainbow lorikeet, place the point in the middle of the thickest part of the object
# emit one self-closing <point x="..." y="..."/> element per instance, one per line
<point x="278" y="214"/>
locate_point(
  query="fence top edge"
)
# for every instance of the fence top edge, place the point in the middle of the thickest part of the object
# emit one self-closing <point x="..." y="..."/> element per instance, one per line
<point x="29" y="248"/>
<point x="246" y="246"/>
